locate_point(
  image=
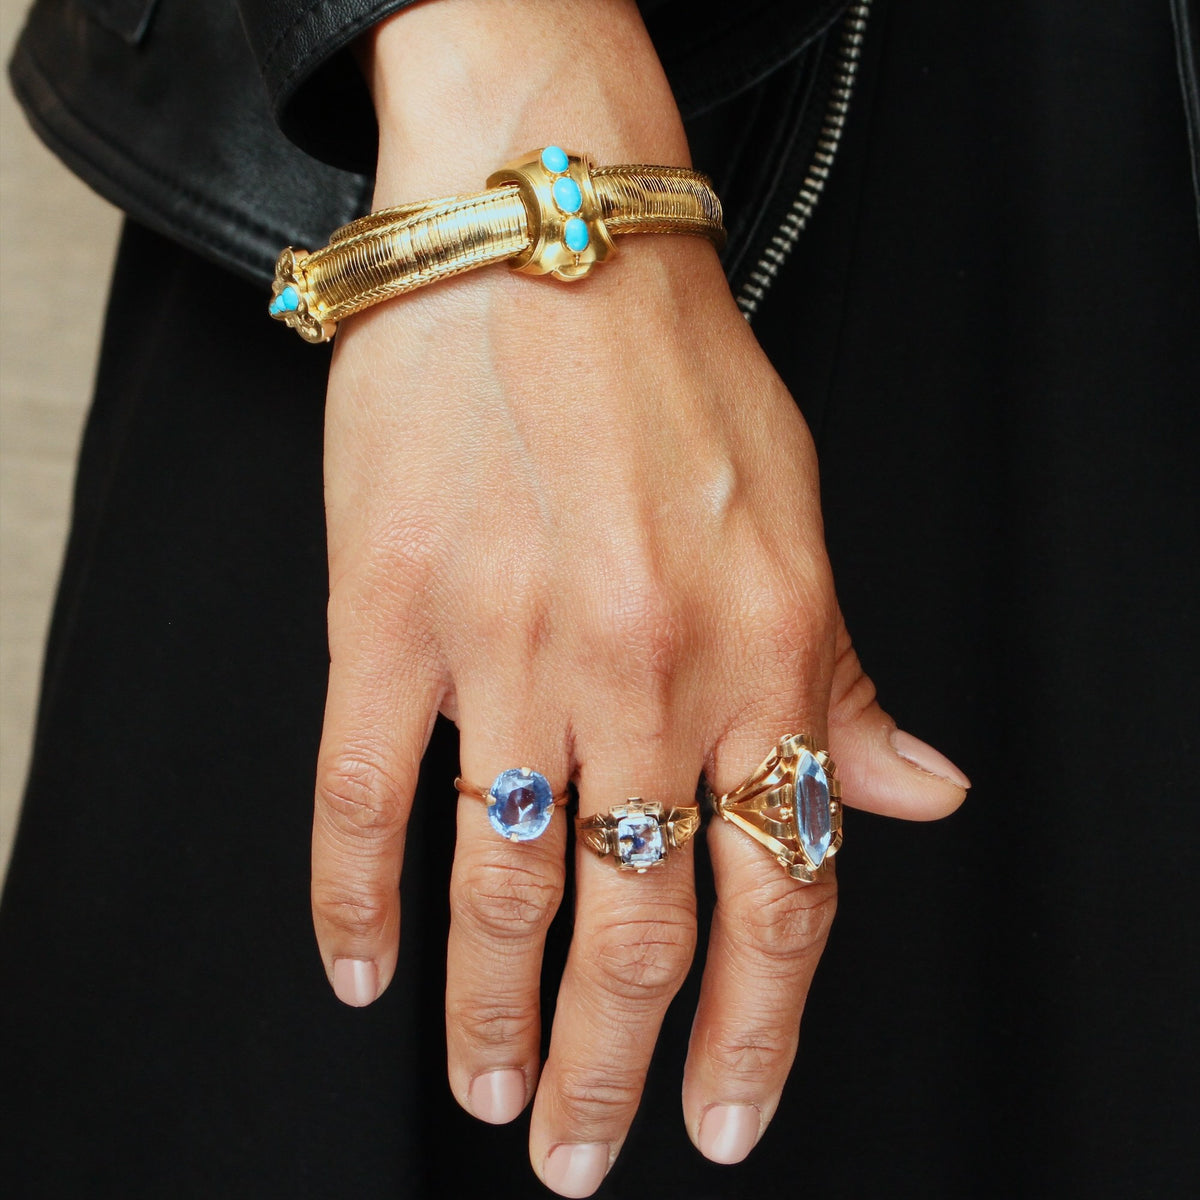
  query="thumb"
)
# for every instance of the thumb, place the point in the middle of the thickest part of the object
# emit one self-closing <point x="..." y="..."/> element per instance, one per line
<point x="881" y="768"/>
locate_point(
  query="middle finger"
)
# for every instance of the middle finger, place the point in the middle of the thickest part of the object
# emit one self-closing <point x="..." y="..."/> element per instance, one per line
<point x="634" y="937"/>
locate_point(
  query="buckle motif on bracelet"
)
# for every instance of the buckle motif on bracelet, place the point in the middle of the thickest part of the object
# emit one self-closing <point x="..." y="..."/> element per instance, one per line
<point x="549" y="213"/>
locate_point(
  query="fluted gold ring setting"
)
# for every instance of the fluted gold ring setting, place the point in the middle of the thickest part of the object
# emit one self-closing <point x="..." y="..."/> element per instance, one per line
<point x="791" y="805"/>
<point x="638" y="834"/>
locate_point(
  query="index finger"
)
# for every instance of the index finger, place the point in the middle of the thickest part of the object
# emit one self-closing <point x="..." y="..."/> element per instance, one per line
<point x="378" y="716"/>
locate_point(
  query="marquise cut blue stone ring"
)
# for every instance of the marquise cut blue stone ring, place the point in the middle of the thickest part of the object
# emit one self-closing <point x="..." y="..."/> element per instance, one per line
<point x="792" y="806"/>
<point x="520" y="803"/>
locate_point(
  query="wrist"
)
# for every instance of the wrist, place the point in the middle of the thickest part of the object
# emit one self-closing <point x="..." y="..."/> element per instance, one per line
<point x="460" y="88"/>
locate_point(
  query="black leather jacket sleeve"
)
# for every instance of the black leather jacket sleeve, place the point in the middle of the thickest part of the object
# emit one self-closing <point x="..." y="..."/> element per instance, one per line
<point x="319" y="99"/>
<point x="177" y="110"/>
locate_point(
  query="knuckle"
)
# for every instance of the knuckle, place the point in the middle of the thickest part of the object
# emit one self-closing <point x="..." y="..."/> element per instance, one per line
<point x="360" y="797"/>
<point x="796" y="621"/>
<point x="538" y="627"/>
<point x="490" y="1023"/>
<point x="643" y="960"/>
<point x="386" y="586"/>
<point x="512" y="608"/>
<point x="783" y="922"/>
<point x="749" y="1053"/>
<point x="597" y="1099"/>
<point x="787" y="619"/>
<point x="642" y="627"/>
<point x="360" y="912"/>
<point x="505" y="901"/>
<point x="406" y="548"/>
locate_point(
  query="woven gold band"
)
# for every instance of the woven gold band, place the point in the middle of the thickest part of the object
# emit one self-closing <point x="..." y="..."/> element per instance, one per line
<point x="542" y="220"/>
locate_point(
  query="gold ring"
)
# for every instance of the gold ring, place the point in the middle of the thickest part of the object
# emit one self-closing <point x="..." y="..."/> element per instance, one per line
<point x="520" y="802"/>
<point x="639" y="833"/>
<point x="791" y="805"/>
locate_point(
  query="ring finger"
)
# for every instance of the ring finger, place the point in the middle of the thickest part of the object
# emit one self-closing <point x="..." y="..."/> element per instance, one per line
<point x="503" y="895"/>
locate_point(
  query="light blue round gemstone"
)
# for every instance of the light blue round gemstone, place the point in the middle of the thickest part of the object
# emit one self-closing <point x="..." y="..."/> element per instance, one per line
<point x="814" y="824"/>
<point x="521" y="805"/>
<point x="289" y="299"/>
<point x="575" y="234"/>
<point x="567" y="195"/>
<point x="555" y="160"/>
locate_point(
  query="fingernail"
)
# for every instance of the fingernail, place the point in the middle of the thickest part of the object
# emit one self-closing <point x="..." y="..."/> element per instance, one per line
<point x="355" y="981"/>
<point x="728" y="1132"/>
<point x="924" y="756"/>
<point x="497" y="1096"/>
<point x="576" y="1169"/>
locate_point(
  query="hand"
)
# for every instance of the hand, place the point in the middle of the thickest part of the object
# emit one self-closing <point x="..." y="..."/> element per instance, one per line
<point x="581" y="521"/>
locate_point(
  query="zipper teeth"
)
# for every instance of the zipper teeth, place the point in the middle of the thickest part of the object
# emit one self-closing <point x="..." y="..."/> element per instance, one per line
<point x="775" y="253"/>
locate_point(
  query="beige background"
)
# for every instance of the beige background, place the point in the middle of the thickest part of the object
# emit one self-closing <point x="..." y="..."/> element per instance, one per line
<point x="56" y="246"/>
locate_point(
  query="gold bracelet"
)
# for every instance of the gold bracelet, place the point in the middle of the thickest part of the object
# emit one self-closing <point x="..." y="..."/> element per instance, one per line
<point x="550" y="212"/>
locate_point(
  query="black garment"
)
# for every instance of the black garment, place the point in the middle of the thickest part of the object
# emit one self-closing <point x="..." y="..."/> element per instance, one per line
<point x="181" y="112"/>
<point x="993" y="325"/>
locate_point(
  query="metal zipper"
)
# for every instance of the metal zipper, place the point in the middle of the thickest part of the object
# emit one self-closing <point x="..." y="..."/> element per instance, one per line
<point x="776" y="251"/>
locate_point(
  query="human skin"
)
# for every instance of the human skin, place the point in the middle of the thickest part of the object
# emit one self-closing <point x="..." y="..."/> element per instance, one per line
<point x="581" y="521"/>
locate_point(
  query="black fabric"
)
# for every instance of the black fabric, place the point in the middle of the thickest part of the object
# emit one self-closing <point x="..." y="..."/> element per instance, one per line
<point x="129" y="18"/>
<point x="176" y="128"/>
<point x="238" y="127"/>
<point x="318" y="96"/>
<point x="1186" y="15"/>
<point x="992" y="325"/>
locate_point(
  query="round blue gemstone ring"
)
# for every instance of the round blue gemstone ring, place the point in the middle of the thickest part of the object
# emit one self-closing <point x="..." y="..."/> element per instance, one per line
<point x="520" y="803"/>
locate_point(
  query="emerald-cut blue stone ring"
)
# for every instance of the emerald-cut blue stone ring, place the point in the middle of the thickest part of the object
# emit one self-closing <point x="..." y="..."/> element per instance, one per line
<point x="520" y="803"/>
<point x="638" y="834"/>
<point x="791" y="805"/>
